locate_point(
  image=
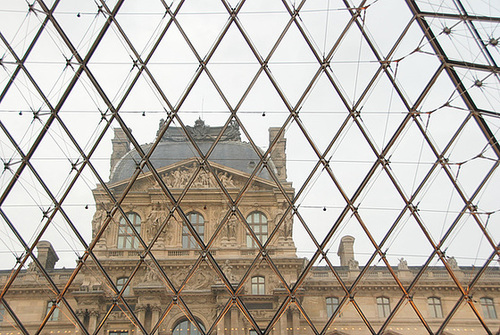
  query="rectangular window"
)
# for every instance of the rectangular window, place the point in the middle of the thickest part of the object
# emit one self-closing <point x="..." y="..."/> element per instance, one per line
<point x="119" y="285"/>
<point x="258" y="285"/>
<point x="55" y="314"/>
<point x="383" y="307"/>
<point x="488" y="307"/>
<point x="435" y="309"/>
<point x="122" y="332"/>
<point x="332" y="303"/>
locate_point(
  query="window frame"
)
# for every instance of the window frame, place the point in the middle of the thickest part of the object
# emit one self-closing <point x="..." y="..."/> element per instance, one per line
<point x="187" y="239"/>
<point x="126" y="239"/>
<point x="435" y="307"/>
<point x="383" y="306"/>
<point x="488" y="308"/>
<point x="332" y="304"/>
<point x="188" y="331"/>
<point x="55" y="314"/>
<point x="258" y="222"/>
<point x="258" y="285"/>
<point x="120" y="282"/>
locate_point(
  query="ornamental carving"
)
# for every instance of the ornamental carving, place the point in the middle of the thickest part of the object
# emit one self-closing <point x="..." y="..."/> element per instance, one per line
<point x="199" y="280"/>
<point x="199" y="132"/>
<point x="181" y="176"/>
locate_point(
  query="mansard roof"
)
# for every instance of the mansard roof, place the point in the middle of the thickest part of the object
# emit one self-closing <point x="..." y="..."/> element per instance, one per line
<point x="174" y="147"/>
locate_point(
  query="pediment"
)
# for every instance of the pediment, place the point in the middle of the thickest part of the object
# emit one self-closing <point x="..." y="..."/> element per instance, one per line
<point x="177" y="176"/>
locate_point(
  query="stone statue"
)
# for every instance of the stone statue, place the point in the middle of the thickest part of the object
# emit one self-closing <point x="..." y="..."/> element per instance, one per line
<point x="228" y="271"/>
<point x="151" y="275"/>
<point x="155" y="218"/>
<point x="97" y="220"/>
<point x="353" y="264"/>
<point x="287" y="228"/>
<point x="403" y="264"/>
<point x="452" y="262"/>
<point x="231" y="228"/>
<point x="226" y="179"/>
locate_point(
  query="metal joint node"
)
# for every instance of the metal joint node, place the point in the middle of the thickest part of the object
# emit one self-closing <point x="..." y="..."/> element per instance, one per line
<point x="353" y="208"/>
<point x="413" y="208"/>
<point x="443" y="160"/>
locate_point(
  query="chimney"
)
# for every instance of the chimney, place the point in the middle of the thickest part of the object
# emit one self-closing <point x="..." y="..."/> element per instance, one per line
<point x="346" y="250"/>
<point x="278" y="155"/>
<point x="46" y="255"/>
<point x="121" y="145"/>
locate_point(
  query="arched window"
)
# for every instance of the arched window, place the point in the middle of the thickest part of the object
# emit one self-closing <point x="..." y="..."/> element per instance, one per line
<point x="435" y="308"/>
<point x="383" y="307"/>
<point x="186" y="327"/>
<point x="488" y="306"/>
<point x="126" y="237"/>
<point x="198" y="222"/>
<point x="332" y="303"/>
<point x="258" y="223"/>
<point x="258" y="285"/>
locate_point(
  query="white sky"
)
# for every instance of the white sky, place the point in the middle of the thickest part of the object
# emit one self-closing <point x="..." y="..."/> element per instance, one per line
<point x="233" y="67"/>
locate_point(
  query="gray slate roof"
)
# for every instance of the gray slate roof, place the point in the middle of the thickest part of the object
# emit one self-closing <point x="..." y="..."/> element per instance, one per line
<point x="234" y="154"/>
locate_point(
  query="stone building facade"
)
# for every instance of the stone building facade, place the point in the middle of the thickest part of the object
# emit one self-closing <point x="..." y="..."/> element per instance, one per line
<point x="240" y="283"/>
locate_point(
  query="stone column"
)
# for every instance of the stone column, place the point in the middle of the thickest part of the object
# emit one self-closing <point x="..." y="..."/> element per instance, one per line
<point x="93" y="320"/>
<point x="221" y="326"/>
<point x="282" y="324"/>
<point x="81" y="316"/>
<point x="295" y="321"/>
<point x="155" y="316"/>
<point x="140" y="311"/>
<point x="235" y="324"/>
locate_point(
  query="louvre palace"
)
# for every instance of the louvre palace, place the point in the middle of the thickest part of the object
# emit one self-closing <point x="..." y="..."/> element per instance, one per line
<point x="219" y="269"/>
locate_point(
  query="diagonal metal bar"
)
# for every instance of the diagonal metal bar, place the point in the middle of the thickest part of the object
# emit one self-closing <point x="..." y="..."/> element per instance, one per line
<point x="490" y="137"/>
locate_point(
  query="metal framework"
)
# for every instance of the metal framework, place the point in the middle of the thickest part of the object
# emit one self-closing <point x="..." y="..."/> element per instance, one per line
<point x="452" y="86"/>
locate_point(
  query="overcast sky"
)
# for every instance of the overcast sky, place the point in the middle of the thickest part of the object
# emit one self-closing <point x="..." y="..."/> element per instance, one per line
<point x="353" y="80"/>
